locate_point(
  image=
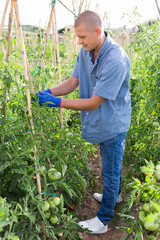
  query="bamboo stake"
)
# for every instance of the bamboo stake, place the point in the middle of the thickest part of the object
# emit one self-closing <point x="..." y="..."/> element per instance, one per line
<point x="54" y="50"/>
<point x="49" y="162"/>
<point x="9" y="31"/>
<point x="48" y="28"/>
<point x="80" y="9"/>
<point x="80" y="6"/>
<point x="2" y="23"/>
<point x="53" y="39"/>
<point x="50" y="49"/>
<point x="3" y="18"/>
<point x="7" y="55"/>
<point x="32" y="90"/>
<point x="29" y="103"/>
<point x="26" y="76"/>
<point x="71" y="50"/>
<point x="28" y="69"/>
<point x="36" y="38"/>
<point x="73" y="4"/>
<point x="57" y="46"/>
<point x="87" y="4"/>
<point x="58" y="62"/>
<point x="158" y="8"/>
<point x="30" y="80"/>
<point x="16" y="33"/>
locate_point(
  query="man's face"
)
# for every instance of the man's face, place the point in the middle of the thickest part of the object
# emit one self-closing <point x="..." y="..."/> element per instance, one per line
<point x="88" y="38"/>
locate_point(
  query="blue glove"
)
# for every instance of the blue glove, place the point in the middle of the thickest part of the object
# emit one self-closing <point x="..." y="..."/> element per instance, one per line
<point x="47" y="91"/>
<point x="44" y="91"/>
<point x="45" y="97"/>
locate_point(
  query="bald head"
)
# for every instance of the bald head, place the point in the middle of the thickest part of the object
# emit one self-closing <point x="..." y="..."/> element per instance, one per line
<point x="90" y="19"/>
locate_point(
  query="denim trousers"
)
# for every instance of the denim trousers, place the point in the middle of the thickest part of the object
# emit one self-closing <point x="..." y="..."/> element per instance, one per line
<point x="111" y="152"/>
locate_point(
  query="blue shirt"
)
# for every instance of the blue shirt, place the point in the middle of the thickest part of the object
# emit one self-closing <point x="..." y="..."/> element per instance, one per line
<point x="107" y="77"/>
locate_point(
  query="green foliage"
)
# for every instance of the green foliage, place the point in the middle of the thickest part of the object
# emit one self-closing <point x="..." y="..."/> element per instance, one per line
<point x="145" y="85"/>
<point x="142" y="175"/>
<point x="8" y="218"/>
<point x="24" y="154"/>
<point x="146" y="196"/>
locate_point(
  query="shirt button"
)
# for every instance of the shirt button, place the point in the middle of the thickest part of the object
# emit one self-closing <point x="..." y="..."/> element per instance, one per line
<point x="84" y="126"/>
<point x="87" y="113"/>
<point x="92" y="75"/>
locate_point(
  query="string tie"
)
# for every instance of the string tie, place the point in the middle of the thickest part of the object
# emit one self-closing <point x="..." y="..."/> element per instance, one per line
<point x="54" y="1"/>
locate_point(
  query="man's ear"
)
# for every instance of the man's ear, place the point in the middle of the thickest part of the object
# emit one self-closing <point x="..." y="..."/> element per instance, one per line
<point x="99" y="31"/>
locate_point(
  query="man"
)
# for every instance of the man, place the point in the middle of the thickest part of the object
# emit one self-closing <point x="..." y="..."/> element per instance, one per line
<point x="102" y="72"/>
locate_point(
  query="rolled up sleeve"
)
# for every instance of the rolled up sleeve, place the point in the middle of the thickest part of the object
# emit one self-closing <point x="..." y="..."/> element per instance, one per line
<point x="76" y="68"/>
<point x="110" y="80"/>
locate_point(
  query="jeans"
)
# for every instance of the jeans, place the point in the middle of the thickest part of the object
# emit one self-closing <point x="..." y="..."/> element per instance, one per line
<point x="111" y="152"/>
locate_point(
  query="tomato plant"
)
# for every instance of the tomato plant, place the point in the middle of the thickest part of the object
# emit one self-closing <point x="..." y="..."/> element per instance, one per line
<point x="142" y="176"/>
<point x="66" y="181"/>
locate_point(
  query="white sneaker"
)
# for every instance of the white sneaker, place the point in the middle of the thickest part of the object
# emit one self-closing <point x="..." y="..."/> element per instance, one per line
<point x="94" y="225"/>
<point x="98" y="197"/>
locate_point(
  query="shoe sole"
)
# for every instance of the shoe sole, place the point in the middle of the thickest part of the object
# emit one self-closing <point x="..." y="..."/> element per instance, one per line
<point x="98" y="232"/>
<point x="118" y="201"/>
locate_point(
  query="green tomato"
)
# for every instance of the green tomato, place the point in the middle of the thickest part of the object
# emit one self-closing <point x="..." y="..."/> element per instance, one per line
<point x="42" y="169"/>
<point x="57" y="175"/>
<point x="54" y="219"/>
<point x="158" y="167"/>
<point x="51" y="203"/>
<point x="158" y="175"/>
<point x="146" y="207"/>
<point x="53" y="174"/>
<point x="156" y="124"/>
<point x="45" y="206"/>
<point x="15" y="238"/>
<point x="1" y="212"/>
<point x="47" y="215"/>
<point x="142" y="216"/>
<point x="56" y="201"/>
<point x="151" y="226"/>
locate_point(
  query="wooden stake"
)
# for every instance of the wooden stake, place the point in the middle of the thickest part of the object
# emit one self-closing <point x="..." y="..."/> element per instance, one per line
<point x="80" y="6"/>
<point x="58" y="61"/>
<point x="87" y="4"/>
<point x="158" y="8"/>
<point x="26" y="78"/>
<point x="7" y="54"/>
<point x="53" y="40"/>
<point x="32" y="90"/>
<point x="73" y="5"/>
<point x="71" y="50"/>
<point x="54" y="50"/>
<point x="25" y="55"/>
<point x="29" y="103"/>
<point x="3" y="18"/>
<point x="36" y="38"/>
<point x="48" y="29"/>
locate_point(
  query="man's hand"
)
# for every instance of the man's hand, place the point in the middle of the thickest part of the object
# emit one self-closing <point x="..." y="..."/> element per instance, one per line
<point x="44" y="91"/>
<point x="45" y="97"/>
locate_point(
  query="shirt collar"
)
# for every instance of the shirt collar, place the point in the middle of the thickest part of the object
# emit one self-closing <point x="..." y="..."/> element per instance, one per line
<point x="102" y="48"/>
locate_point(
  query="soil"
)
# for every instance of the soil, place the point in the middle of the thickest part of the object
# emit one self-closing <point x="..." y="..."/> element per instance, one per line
<point x="90" y="206"/>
